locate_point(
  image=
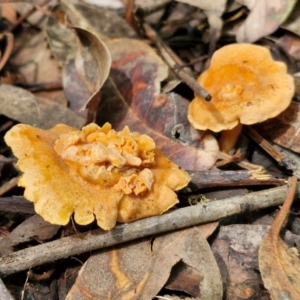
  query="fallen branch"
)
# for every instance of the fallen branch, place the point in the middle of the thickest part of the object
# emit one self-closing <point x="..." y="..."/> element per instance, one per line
<point x="177" y="219"/>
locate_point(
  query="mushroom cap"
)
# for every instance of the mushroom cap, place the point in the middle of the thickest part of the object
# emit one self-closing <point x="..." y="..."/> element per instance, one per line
<point x="246" y="86"/>
<point x="95" y="172"/>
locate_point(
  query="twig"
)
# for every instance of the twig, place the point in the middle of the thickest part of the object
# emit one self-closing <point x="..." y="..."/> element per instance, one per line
<point x="4" y="293"/>
<point x="227" y="178"/>
<point x="177" y="219"/>
<point x="263" y="144"/>
<point x="45" y="86"/>
<point x="172" y="60"/>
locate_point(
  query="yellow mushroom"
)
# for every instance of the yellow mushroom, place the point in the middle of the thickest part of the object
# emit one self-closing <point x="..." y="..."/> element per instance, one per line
<point x="247" y="87"/>
<point x="95" y="172"/>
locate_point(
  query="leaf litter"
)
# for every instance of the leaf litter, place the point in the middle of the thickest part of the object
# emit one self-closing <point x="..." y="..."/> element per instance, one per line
<point x="132" y="96"/>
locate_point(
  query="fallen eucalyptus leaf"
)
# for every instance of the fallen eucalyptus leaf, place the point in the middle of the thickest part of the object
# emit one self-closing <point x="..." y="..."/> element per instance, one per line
<point x="138" y="270"/>
<point x="22" y="106"/>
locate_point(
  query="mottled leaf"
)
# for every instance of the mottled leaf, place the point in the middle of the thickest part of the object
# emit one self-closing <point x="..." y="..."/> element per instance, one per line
<point x="279" y="265"/>
<point x="24" y="107"/>
<point x="138" y="270"/>
<point x="264" y="18"/>
<point x="132" y="97"/>
<point x="283" y="130"/>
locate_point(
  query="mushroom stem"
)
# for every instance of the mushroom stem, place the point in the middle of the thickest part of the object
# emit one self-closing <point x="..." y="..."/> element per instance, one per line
<point x="229" y="138"/>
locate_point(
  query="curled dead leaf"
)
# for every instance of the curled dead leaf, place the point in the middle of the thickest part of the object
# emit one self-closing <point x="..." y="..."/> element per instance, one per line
<point x="92" y="58"/>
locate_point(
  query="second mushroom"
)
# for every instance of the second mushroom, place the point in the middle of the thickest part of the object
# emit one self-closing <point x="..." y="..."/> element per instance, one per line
<point x="247" y="87"/>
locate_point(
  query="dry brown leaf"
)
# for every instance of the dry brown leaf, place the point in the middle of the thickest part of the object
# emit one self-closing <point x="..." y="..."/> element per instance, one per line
<point x="138" y="270"/>
<point x="34" y="62"/>
<point x="131" y="96"/>
<point x="264" y="18"/>
<point x="91" y="56"/>
<point x="279" y="265"/>
<point x="24" y="107"/>
<point x="32" y="229"/>
<point x="283" y="130"/>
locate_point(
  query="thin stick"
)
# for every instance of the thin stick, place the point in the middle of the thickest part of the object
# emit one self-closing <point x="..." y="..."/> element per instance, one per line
<point x="172" y="60"/>
<point x="263" y="144"/>
<point x="177" y="219"/>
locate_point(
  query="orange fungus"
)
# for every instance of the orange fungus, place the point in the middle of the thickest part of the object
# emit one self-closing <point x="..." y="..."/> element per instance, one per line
<point x="95" y="172"/>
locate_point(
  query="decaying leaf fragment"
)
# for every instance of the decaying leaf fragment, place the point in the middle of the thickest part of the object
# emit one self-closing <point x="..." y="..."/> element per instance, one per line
<point x="94" y="173"/>
<point x="279" y="265"/>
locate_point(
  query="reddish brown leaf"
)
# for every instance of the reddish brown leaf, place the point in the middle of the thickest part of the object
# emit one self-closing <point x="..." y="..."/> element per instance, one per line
<point x="138" y="270"/>
<point x="132" y="97"/>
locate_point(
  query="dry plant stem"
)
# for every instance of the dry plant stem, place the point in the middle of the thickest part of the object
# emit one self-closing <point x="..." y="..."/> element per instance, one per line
<point x="263" y="144"/>
<point x="177" y="219"/>
<point x="221" y="178"/>
<point x="47" y="86"/>
<point x="4" y="293"/>
<point x="172" y="60"/>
